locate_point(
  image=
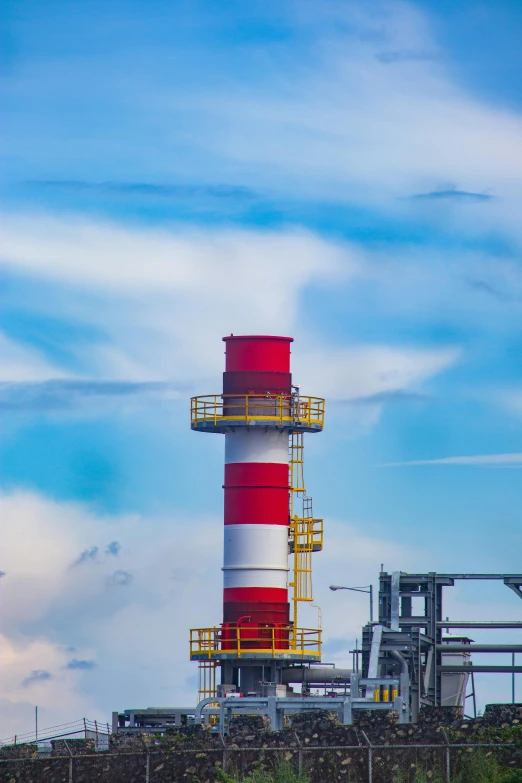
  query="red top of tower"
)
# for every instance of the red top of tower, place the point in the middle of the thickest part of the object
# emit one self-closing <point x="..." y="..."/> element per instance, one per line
<point x="257" y="353"/>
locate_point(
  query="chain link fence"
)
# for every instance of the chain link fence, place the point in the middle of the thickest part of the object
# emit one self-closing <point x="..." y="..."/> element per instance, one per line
<point x="369" y="763"/>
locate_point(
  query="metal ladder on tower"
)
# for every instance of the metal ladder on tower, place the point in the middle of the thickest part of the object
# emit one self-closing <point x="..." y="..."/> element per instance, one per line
<point x="305" y="532"/>
<point x="207" y="679"/>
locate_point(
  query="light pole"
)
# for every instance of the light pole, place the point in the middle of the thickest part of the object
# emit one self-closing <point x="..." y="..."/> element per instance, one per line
<point x="366" y="589"/>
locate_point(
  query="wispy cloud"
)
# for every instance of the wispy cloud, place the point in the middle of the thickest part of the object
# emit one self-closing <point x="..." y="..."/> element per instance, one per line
<point x="486" y="460"/>
<point x="151" y="189"/>
<point x="486" y="287"/>
<point x="64" y="394"/>
<point x="452" y="195"/>
<point x="120" y="577"/>
<point x="113" y="548"/>
<point x="374" y="373"/>
<point x="21" y="363"/>
<point x="392" y="397"/>
<point x="349" y="124"/>
<point x="87" y="555"/>
<point x="37" y="675"/>
<point x="78" y="665"/>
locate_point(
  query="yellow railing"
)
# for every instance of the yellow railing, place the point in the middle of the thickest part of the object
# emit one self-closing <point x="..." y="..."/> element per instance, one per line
<point x="306" y="537"/>
<point x="248" y="639"/>
<point x="216" y="409"/>
<point x="306" y="534"/>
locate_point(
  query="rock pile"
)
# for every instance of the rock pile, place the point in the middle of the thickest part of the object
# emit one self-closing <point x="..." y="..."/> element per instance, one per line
<point x="314" y="742"/>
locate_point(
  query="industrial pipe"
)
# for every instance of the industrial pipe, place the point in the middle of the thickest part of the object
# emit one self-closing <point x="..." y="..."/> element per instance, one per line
<point x="398" y="657"/>
<point x="315" y="675"/>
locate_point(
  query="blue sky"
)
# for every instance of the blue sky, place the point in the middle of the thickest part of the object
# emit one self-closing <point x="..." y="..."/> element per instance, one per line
<point x="173" y="172"/>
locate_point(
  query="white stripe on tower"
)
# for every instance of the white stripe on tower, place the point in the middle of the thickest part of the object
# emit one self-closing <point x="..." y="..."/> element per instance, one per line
<point x="259" y="446"/>
<point x="256" y="556"/>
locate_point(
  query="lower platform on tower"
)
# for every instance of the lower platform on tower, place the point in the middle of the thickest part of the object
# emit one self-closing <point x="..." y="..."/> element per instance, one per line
<point x="260" y="642"/>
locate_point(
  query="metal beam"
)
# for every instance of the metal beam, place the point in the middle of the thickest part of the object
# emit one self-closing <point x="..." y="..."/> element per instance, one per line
<point x="480" y="669"/>
<point x="410" y="578"/>
<point x="395" y="601"/>
<point x="373" y="667"/>
<point x="482" y="576"/>
<point x="420" y="620"/>
<point x="480" y="648"/>
<point x="514" y="583"/>
<point x="474" y="623"/>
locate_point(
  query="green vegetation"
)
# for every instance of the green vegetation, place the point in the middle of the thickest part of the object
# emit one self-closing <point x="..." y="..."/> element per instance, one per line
<point x="477" y="768"/>
<point x="513" y="776"/>
<point x="282" y="773"/>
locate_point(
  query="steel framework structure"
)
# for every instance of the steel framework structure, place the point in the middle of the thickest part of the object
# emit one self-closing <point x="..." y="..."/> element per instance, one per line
<point x="419" y="638"/>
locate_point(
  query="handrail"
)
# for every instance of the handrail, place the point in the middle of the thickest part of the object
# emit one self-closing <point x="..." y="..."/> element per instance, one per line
<point x="212" y="642"/>
<point x="282" y="409"/>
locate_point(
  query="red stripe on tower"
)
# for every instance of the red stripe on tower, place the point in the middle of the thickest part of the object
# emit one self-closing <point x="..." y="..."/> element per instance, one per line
<point x="256" y="488"/>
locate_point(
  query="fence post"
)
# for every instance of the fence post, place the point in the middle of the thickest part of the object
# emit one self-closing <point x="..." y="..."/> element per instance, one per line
<point x="370" y="757"/>
<point x="70" y="761"/>
<point x="147" y="760"/>
<point x="448" y="756"/>
<point x="224" y="765"/>
<point x="299" y="754"/>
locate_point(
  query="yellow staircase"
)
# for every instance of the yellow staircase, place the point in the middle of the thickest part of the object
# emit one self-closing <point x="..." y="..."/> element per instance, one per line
<point x="305" y="532"/>
<point x="207" y="679"/>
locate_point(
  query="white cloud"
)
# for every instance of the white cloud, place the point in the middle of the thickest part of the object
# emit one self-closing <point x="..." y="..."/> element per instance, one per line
<point x="371" y="112"/>
<point x="54" y="610"/>
<point x="174" y="294"/>
<point x="258" y="266"/>
<point x="365" y="371"/>
<point x="34" y="673"/>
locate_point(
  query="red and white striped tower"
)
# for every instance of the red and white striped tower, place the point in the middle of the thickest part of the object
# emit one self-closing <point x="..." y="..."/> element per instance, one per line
<point x="256" y="489"/>
<point x="257" y="412"/>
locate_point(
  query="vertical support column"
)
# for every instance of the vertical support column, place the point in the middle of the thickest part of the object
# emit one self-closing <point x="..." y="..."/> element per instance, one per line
<point x="370" y="757"/>
<point x="447" y="755"/>
<point x="69" y="751"/>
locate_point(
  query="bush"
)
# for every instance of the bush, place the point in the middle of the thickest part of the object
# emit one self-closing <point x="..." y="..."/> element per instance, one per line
<point x="513" y="776"/>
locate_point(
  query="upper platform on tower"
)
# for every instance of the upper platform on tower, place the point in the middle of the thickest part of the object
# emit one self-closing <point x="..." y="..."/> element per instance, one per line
<point x="257" y="390"/>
